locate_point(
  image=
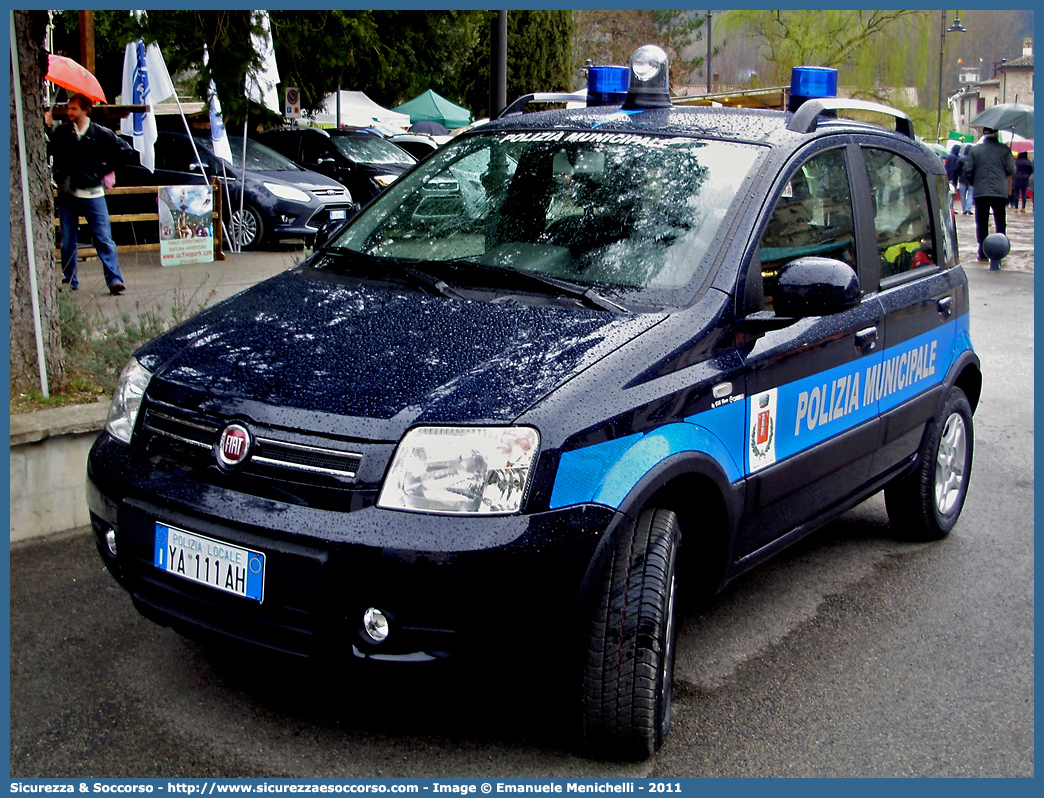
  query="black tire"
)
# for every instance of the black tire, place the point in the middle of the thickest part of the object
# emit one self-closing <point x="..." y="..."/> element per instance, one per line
<point x="629" y="664"/>
<point x="250" y="226"/>
<point x="926" y="504"/>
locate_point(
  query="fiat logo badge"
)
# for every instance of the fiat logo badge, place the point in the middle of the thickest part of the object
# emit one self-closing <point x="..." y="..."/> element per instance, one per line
<point x="234" y="445"/>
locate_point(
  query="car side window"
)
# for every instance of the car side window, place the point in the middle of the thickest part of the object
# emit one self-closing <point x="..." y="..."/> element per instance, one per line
<point x="175" y="154"/>
<point x="313" y="148"/>
<point x="902" y="215"/>
<point x="945" y="225"/>
<point x="812" y="216"/>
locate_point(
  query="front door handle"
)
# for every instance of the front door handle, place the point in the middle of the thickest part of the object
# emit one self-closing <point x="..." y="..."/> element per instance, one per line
<point x="866" y="340"/>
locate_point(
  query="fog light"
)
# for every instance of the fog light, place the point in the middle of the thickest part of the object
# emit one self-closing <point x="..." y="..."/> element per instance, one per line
<point x="376" y="624"/>
<point x="110" y="541"/>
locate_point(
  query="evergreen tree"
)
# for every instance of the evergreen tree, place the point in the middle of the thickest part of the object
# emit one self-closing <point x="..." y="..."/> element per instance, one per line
<point x="539" y="57"/>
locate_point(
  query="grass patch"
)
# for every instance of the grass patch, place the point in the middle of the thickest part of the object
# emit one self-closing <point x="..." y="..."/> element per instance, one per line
<point x="96" y="349"/>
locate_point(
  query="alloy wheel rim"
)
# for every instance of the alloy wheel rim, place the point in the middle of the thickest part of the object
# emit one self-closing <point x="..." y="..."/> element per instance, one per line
<point x="950" y="464"/>
<point x="244" y="228"/>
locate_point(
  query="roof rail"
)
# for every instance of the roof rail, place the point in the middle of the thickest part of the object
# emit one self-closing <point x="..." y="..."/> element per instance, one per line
<point x="804" y="119"/>
<point x="540" y="97"/>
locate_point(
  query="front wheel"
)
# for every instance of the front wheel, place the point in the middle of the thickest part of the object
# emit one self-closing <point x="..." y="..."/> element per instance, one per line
<point x="246" y="228"/>
<point x="629" y="665"/>
<point x="926" y="504"/>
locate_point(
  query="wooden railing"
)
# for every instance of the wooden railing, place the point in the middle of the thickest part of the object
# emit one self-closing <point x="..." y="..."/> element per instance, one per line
<point x="127" y="218"/>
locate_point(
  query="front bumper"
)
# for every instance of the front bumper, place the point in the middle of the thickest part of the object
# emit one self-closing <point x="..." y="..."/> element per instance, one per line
<point x="471" y="590"/>
<point x="289" y="220"/>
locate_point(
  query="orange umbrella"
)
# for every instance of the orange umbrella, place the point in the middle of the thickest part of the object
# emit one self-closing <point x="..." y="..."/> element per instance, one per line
<point x="71" y="76"/>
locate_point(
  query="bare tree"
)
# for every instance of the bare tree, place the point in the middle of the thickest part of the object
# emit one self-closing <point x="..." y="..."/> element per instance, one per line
<point x="30" y="28"/>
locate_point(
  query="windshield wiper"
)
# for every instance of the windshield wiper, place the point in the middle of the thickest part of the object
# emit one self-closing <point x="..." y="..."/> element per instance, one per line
<point x="573" y="290"/>
<point x="438" y="286"/>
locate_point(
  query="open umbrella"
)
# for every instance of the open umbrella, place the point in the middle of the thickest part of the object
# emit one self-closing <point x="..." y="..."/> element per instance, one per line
<point x="75" y="78"/>
<point x="1015" y="117"/>
<point x="430" y="127"/>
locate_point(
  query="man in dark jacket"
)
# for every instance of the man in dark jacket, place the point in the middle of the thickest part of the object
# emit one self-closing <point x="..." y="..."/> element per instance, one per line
<point x="85" y="155"/>
<point x="989" y="166"/>
<point x="951" y="162"/>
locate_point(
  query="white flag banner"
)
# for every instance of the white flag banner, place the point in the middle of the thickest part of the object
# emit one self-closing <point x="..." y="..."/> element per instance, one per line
<point x="218" y="136"/>
<point x="261" y="83"/>
<point x="145" y="82"/>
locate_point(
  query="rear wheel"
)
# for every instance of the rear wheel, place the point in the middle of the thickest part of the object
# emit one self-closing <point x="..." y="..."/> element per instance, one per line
<point x="629" y="666"/>
<point x="926" y="504"/>
<point x="246" y="227"/>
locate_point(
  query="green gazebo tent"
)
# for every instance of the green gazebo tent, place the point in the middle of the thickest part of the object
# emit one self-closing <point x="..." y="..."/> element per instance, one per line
<point x="431" y="106"/>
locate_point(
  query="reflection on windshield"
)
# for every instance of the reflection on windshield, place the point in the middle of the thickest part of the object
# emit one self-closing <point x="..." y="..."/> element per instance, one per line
<point x="624" y="211"/>
<point x="372" y="149"/>
<point x="259" y="157"/>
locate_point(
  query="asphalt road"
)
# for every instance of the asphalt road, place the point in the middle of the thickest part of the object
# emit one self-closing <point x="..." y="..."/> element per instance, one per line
<point x="851" y="654"/>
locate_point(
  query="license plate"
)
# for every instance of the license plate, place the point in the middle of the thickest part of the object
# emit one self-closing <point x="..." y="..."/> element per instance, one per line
<point x="210" y="562"/>
<point x="336" y="216"/>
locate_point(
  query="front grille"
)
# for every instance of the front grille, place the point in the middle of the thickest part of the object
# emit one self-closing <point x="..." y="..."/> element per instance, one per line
<point x="328" y="192"/>
<point x="192" y="440"/>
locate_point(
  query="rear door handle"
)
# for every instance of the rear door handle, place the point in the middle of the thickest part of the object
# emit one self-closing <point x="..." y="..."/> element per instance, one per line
<point x="945" y="306"/>
<point x="866" y="340"/>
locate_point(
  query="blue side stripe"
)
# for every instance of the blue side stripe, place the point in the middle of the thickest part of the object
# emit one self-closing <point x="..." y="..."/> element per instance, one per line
<point x="605" y="473"/>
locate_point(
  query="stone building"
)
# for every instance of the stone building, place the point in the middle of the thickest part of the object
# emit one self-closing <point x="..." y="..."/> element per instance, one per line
<point x="1012" y="81"/>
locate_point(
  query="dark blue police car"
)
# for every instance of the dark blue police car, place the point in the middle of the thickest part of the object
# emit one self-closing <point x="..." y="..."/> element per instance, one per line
<point x="649" y="347"/>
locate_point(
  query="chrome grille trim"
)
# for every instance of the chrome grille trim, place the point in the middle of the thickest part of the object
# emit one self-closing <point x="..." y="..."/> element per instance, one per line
<point x="269" y="452"/>
<point x="301" y="467"/>
<point x="351" y="459"/>
<point x="206" y="428"/>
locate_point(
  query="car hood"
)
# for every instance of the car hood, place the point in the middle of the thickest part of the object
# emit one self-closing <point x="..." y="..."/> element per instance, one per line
<point x="298" y="179"/>
<point x="312" y="351"/>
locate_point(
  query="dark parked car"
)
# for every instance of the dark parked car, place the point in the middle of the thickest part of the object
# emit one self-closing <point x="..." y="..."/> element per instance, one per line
<point x="282" y="200"/>
<point x="650" y="348"/>
<point x="363" y="162"/>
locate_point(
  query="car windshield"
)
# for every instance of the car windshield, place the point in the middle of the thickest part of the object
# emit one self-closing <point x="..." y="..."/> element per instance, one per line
<point x="259" y="158"/>
<point x="373" y="149"/>
<point x="635" y="215"/>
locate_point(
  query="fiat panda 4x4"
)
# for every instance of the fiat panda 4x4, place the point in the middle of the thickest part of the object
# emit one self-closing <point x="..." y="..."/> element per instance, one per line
<point x="637" y="350"/>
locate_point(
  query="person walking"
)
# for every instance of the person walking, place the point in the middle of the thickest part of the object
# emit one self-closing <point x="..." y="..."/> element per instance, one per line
<point x="967" y="193"/>
<point x="1020" y="181"/>
<point x="85" y="154"/>
<point x="989" y="166"/>
<point x="952" y="164"/>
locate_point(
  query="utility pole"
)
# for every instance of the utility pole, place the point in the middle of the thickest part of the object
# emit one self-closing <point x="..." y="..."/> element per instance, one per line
<point x="498" y="64"/>
<point x="708" y="52"/>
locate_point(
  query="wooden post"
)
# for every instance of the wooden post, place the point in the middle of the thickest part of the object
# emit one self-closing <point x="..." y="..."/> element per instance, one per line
<point x="87" y="40"/>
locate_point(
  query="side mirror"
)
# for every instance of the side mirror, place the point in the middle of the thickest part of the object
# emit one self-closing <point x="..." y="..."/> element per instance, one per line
<point x="815" y="287"/>
<point x="326" y="166"/>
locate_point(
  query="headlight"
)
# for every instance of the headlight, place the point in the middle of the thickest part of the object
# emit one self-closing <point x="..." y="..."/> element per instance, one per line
<point x="126" y="400"/>
<point x="385" y="180"/>
<point x="288" y="192"/>
<point x="480" y="470"/>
